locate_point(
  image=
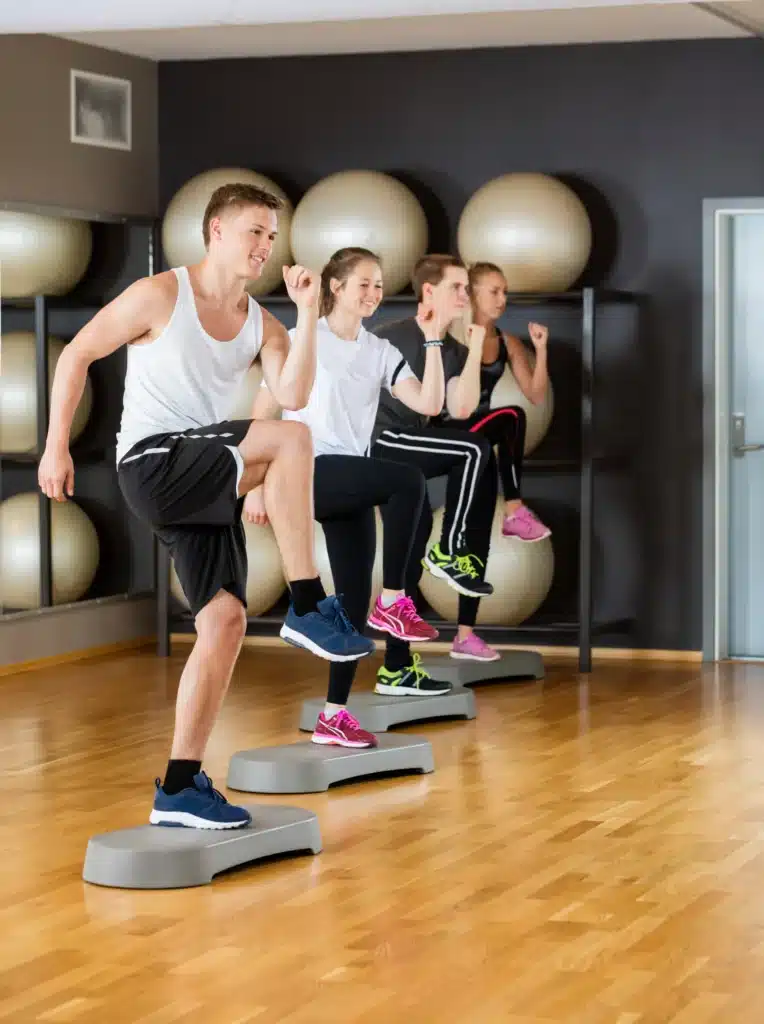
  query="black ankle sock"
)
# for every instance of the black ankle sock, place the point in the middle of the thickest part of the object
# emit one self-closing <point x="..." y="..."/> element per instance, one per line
<point x="397" y="658"/>
<point x="306" y="594"/>
<point x="180" y="775"/>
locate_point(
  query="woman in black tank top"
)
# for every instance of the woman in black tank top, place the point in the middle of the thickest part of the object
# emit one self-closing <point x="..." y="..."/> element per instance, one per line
<point x="504" y="427"/>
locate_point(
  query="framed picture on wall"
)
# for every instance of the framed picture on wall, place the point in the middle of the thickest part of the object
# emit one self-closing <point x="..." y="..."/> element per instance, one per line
<point x="101" y="110"/>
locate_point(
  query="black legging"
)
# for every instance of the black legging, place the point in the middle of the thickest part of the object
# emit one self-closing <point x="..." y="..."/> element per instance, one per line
<point x="504" y="427"/>
<point x="477" y="542"/>
<point x="347" y="489"/>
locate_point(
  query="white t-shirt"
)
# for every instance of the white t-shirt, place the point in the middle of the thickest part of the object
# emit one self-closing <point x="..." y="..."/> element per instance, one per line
<point x="349" y="377"/>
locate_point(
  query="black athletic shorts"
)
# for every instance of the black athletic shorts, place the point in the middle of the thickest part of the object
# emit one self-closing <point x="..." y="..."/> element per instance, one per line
<point x="185" y="486"/>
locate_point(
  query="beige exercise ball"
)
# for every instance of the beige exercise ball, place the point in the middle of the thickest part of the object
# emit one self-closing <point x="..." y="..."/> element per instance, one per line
<point x="75" y="552"/>
<point x="324" y="569"/>
<point x="265" y="572"/>
<point x="532" y="226"/>
<point x="18" y="391"/>
<point x="361" y="208"/>
<point x="182" y="238"/>
<point x="521" y="574"/>
<point x="507" y="392"/>
<point x="42" y="255"/>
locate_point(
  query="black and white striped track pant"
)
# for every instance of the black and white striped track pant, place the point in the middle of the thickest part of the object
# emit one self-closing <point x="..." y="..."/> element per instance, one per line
<point x="460" y="455"/>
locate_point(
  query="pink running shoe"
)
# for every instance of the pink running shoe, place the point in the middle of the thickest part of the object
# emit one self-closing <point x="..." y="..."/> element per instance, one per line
<point x="342" y="730"/>
<point x="473" y="649"/>
<point x="402" y="620"/>
<point x="525" y="526"/>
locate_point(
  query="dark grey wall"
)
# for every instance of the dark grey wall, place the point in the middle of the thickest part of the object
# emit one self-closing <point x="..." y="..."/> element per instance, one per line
<point x="40" y="165"/>
<point x="645" y="132"/>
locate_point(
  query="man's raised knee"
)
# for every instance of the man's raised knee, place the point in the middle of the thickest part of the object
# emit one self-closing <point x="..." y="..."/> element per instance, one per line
<point x="296" y="437"/>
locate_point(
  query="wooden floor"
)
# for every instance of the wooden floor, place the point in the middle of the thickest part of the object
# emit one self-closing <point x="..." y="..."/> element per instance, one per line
<point x="586" y="852"/>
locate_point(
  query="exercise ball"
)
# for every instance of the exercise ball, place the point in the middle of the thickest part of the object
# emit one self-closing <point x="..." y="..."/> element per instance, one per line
<point x="74" y="544"/>
<point x="182" y="238"/>
<point x="521" y="574"/>
<point x="42" y="255"/>
<point x="18" y="392"/>
<point x="265" y="572"/>
<point x="324" y="569"/>
<point x="361" y="208"/>
<point x="245" y="396"/>
<point x="532" y="226"/>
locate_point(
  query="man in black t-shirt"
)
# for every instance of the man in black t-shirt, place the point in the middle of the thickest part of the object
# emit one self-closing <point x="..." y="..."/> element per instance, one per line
<point x="402" y="435"/>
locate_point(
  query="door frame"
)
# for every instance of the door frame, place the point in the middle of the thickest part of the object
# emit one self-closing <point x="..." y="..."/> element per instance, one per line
<point x="717" y="341"/>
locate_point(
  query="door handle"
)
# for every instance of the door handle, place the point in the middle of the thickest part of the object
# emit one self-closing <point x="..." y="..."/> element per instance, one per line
<point x="739" y="445"/>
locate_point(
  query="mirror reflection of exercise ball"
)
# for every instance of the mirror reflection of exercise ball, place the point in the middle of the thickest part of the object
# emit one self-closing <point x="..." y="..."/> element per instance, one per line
<point x="18" y="391"/>
<point x="265" y="571"/>
<point x="74" y="544"/>
<point x="532" y="226"/>
<point x="361" y="208"/>
<point x="41" y="255"/>
<point x="521" y="574"/>
<point x="246" y="394"/>
<point x="182" y="238"/>
<point x="324" y="569"/>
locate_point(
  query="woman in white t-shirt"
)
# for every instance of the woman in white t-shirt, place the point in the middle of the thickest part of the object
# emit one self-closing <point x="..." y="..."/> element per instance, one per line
<point x="352" y="367"/>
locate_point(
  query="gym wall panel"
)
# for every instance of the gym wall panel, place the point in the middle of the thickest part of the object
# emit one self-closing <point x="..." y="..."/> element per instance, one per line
<point x="644" y="131"/>
<point x="69" y="629"/>
<point x="40" y="165"/>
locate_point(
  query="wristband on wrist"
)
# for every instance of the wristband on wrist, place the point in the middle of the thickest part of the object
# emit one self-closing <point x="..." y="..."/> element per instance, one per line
<point x="433" y="344"/>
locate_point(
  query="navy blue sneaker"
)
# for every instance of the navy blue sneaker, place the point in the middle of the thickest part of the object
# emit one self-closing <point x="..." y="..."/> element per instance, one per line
<point x="198" y="806"/>
<point x="326" y="632"/>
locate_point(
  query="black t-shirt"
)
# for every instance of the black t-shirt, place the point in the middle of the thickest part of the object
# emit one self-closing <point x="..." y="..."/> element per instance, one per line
<point x="408" y="338"/>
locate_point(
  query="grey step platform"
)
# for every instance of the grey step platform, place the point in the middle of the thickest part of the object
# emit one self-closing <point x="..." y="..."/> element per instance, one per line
<point x="312" y="768"/>
<point x="157" y="857"/>
<point x="378" y="713"/>
<point x="511" y="665"/>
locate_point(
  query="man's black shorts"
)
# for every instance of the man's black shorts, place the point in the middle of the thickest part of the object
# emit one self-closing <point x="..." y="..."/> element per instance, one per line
<point x="185" y="486"/>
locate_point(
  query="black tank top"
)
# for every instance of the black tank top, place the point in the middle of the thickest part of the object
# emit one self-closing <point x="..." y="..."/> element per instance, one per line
<point x="491" y="374"/>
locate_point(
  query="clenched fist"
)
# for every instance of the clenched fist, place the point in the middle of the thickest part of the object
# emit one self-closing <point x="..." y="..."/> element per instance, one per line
<point x="475" y="337"/>
<point x="431" y="323"/>
<point x="538" y="334"/>
<point x="302" y="285"/>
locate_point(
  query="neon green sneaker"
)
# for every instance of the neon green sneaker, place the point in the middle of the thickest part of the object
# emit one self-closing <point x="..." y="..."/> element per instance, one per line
<point x="459" y="571"/>
<point x="411" y="680"/>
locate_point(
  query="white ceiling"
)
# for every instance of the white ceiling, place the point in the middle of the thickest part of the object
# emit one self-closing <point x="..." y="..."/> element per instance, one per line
<point x="52" y="16"/>
<point x="203" y="29"/>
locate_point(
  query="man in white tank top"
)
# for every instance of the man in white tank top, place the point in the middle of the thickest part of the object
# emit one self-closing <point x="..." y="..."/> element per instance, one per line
<point x="184" y="468"/>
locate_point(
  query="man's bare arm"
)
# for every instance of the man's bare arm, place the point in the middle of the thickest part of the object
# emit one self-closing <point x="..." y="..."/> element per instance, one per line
<point x="128" y="317"/>
<point x="132" y="315"/>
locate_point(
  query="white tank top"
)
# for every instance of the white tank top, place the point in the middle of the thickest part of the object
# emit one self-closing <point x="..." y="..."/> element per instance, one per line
<point x="185" y="378"/>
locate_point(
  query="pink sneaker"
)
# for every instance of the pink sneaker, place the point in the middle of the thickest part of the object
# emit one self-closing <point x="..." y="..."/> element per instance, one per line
<point x="525" y="526"/>
<point x="342" y="730"/>
<point x="402" y="620"/>
<point x="473" y="649"/>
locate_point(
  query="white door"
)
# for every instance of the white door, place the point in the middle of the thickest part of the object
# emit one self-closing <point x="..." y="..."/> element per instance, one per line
<point x="746" y="465"/>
